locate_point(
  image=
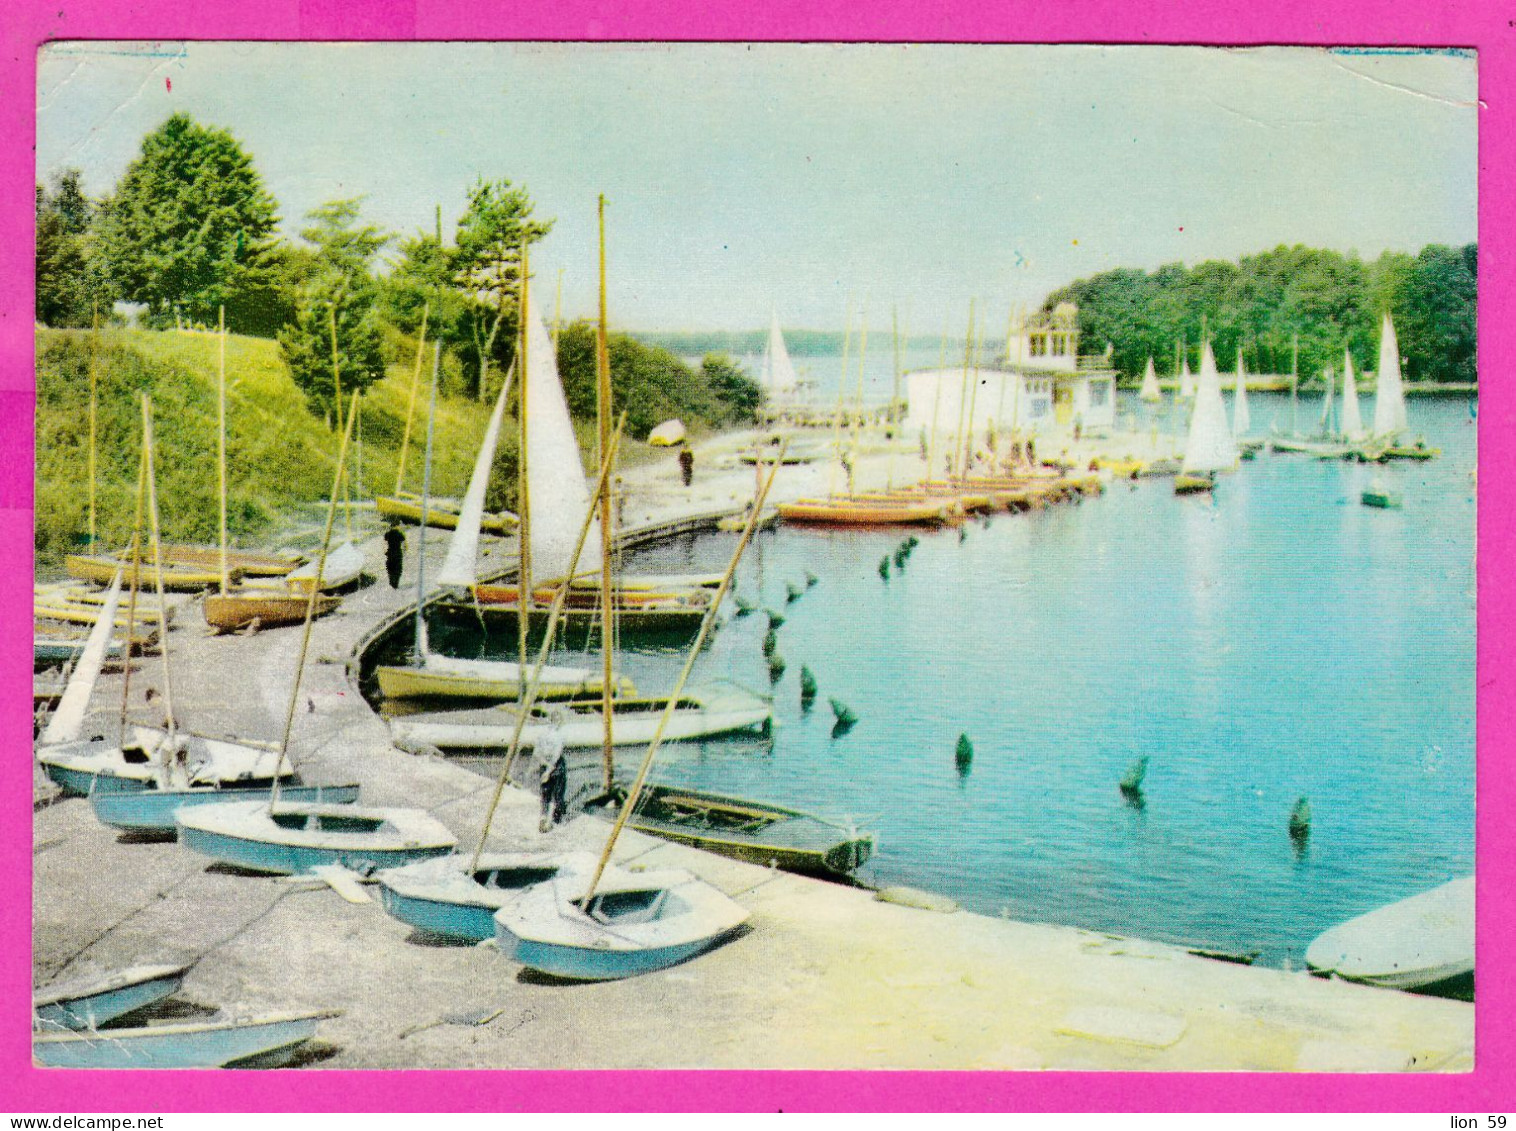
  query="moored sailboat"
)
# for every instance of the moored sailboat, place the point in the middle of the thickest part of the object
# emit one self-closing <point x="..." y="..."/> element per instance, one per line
<point x="1209" y="448"/>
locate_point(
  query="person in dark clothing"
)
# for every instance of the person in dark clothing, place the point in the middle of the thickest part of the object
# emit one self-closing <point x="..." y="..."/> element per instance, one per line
<point x="552" y="773"/>
<point x="686" y="465"/>
<point x="394" y="554"/>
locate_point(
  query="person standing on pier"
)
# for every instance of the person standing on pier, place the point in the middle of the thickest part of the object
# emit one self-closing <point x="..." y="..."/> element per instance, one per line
<point x="552" y="773"/>
<point x="394" y="554"/>
<point x="686" y="464"/>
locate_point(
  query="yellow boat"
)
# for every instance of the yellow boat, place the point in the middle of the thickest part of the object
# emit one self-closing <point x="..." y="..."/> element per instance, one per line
<point x="1186" y="484"/>
<point x="1119" y="468"/>
<point x="441" y="514"/>
<point x="101" y="568"/>
<point x="250" y="563"/>
<point x="239" y="609"/>
<point x="860" y="510"/>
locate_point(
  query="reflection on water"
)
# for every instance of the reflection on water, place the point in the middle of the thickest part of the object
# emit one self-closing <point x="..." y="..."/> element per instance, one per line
<point x="1280" y="641"/>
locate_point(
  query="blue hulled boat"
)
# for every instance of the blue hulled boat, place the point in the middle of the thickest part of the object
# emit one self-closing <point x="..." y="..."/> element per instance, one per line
<point x="135" y="807"/>
<point x="261" y="1042"/>
<point x="287" y="838"/>
<point x="454" y="898"/>
<point x="92" y="1001"/>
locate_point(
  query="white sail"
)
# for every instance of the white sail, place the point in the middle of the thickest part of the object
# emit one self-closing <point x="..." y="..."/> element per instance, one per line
<point x="1150" y="391"/>
<point x="778" y="374"/>
<point x="458" y="568"/>
<point x="1389" y="396"/>
<point x="1210" y="446"/>
<point x="1326" y="404"/>
<point x="1241" y="419"/>
<point x="559" y="493"/>
<point x="1352" y="422"/>
<point x="1186" y="380"/>
<point x="68" y="718"/>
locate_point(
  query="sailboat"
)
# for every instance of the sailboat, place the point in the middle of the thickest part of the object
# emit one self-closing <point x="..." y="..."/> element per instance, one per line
<point x="1150" y="391"/>
<point x="554" y="493"/>
<point x="1390" y="422"/>
<point x="1327" y="442"/>
<point x="1210" y="447"/>
<point x="1352" y="430"/>
<point x="779" y="380"/>
<point x="615" y="923"/>
<point x="140" y="754"/>
<point x="434" y="675"/>
<point x="286" y="836"/>
<point x="1186" y="378"/>
<point x="1241" y="419"/>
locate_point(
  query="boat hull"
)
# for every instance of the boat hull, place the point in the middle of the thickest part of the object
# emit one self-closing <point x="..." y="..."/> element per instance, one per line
<point x="152" y="810"/>
<point x="440" y="516"/>
<point x="853" y="513"/>
<point x="231" y="612"/>
<point x="91" y="1009"/>
<point x="589" y="964"/>
<point x="1193" y="484"/>
<point x="1424" y="943"/>
<point x="265" y="1043"/>
<point x="443" y="898"/>
<point x="585" y="733"/>
<point x="101" y="569"/>
<point x="428" y="683"/>
<point x="1384" y="500"/>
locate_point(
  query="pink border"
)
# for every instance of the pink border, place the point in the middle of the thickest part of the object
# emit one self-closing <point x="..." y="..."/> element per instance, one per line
<point x="30" y="22"/>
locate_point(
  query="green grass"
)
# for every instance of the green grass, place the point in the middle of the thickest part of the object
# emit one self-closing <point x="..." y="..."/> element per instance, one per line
<point x="279" y="456"/>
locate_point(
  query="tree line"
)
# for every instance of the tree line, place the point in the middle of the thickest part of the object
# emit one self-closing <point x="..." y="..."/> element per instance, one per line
<point x="1267" y="303"/>
<point x="190" y="231"/>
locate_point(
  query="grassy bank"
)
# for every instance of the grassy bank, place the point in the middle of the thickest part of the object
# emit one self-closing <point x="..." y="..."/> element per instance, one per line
<point x="279" y="456"/>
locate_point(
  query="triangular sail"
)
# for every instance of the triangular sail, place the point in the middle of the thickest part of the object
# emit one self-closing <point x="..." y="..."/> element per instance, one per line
<point x="1241" y="419"/>
<point x="458" y="568"/>
<point x="1352" y="422"/>
<point x="1186" y="380"/>
<point x="778" y="373"/>
<point x="1389" y="396"/>
<point x="1150" y="391"/>
<point x="555" y="476"/>
<point x="68" y="718"/>
<point x="1210" y="446"/>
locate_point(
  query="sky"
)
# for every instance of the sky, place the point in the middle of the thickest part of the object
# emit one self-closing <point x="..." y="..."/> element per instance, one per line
<point x="814" y="180"/>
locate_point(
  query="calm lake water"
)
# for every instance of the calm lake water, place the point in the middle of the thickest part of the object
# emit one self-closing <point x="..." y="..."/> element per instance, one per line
<point x="1280" y="640"/>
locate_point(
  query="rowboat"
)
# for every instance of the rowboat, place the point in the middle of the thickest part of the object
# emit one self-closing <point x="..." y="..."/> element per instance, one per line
<point x="95" y="1000"/>
<point x="440" y="513"/>
<point x="697" y="715"/>
<point x="261" y="1042"/>
<point x="456" y="897"/>
<point x="148" y="808"/>
<point x="247" y="563"/>
<point x="268" y="608"/>
<point x="633" y="923"/>
<point x="854" y="510"/>
<point x="1424" y="943"/>
<point x="1381" y="497"/>
<point x="754" y="831"/>
<point x="291" y="838"/>
<point x="343" y="566"/>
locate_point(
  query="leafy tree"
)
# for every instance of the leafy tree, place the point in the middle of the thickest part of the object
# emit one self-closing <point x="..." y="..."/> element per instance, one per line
<point x="190" y="224"/>
<point x="339" y="291"/>
<point x="731" y="383"/>
<point x="486" y="268"/>
<point x="69" y="284"/>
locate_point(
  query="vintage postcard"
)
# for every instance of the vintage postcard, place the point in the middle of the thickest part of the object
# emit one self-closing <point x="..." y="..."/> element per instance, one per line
<point x="772" y="556"/>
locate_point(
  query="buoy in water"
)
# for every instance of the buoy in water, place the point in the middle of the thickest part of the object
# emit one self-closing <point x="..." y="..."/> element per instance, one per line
<point x="964" y="755"/>
<point x="807" y="687"/>
<point x="775" y="619"/>
<point x="963" y="534"/>
<point x="1300" y="820"/>
<point x="810" y="579"/>
<point x="1131" y="785"/>
<point x="776" y="667"/>
<point x="770" y="642"/>
<point x="792" y="592"/>
<point x="884" y="567"/>
<point x="900" y="556"/>
<point x="743" y="606"/>
<point x="843" y="712"/>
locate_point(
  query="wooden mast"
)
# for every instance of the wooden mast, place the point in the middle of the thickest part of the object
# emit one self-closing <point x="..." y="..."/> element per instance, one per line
<point x="410" y="412"/>
<point x="426" y="502"/>
<point x="94" y="350"/>
<point x="346" y="487"/>
<point x="603" y="422"/>
<point x="157" y="544"/>
<point x="221" y="435"/>
<point x="963" y="393"/>
<point x="847" y="337"/>
<point x="131" y="605"/>
<point x="863" y="352"/>
<point x="523" y="486"/>
<point x="630" y="805"/>
<point x="310" y="601"/>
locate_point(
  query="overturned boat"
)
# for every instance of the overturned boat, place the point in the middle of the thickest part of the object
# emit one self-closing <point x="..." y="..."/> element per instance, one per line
<point x="1424" y="944"/>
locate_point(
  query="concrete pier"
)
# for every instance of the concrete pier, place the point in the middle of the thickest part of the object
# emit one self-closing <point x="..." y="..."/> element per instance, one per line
<point x="822" y="977"/>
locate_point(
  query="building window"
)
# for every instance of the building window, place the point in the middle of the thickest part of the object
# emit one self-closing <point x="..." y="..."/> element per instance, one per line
<point x="1100" y="393"/>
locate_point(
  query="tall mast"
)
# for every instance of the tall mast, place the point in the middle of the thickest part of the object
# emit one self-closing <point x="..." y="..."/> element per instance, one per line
<point x="426" y="502"/>
<point x="94" y="350"/>
<point x="410" y="412"/>
<point x="963" y="392"/>
<point x="523" y="488"/>
<point x="157" y="543"/>
<point x="603" y="422"/>
<point x="968" y="439"/>
<point x="847" y="337"/>
<point x="863" y="351"/>
<point x="931" y="447"/>
<point x="345" y="486"/>
<point x="131" y="605"/>
<point x="221" y="434"/>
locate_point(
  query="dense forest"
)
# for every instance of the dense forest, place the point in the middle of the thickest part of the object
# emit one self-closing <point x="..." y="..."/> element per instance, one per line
<point x="1263" y="302"/>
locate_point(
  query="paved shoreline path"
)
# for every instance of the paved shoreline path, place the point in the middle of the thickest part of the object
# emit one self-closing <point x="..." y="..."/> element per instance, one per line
<point x="823" y="977"/>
